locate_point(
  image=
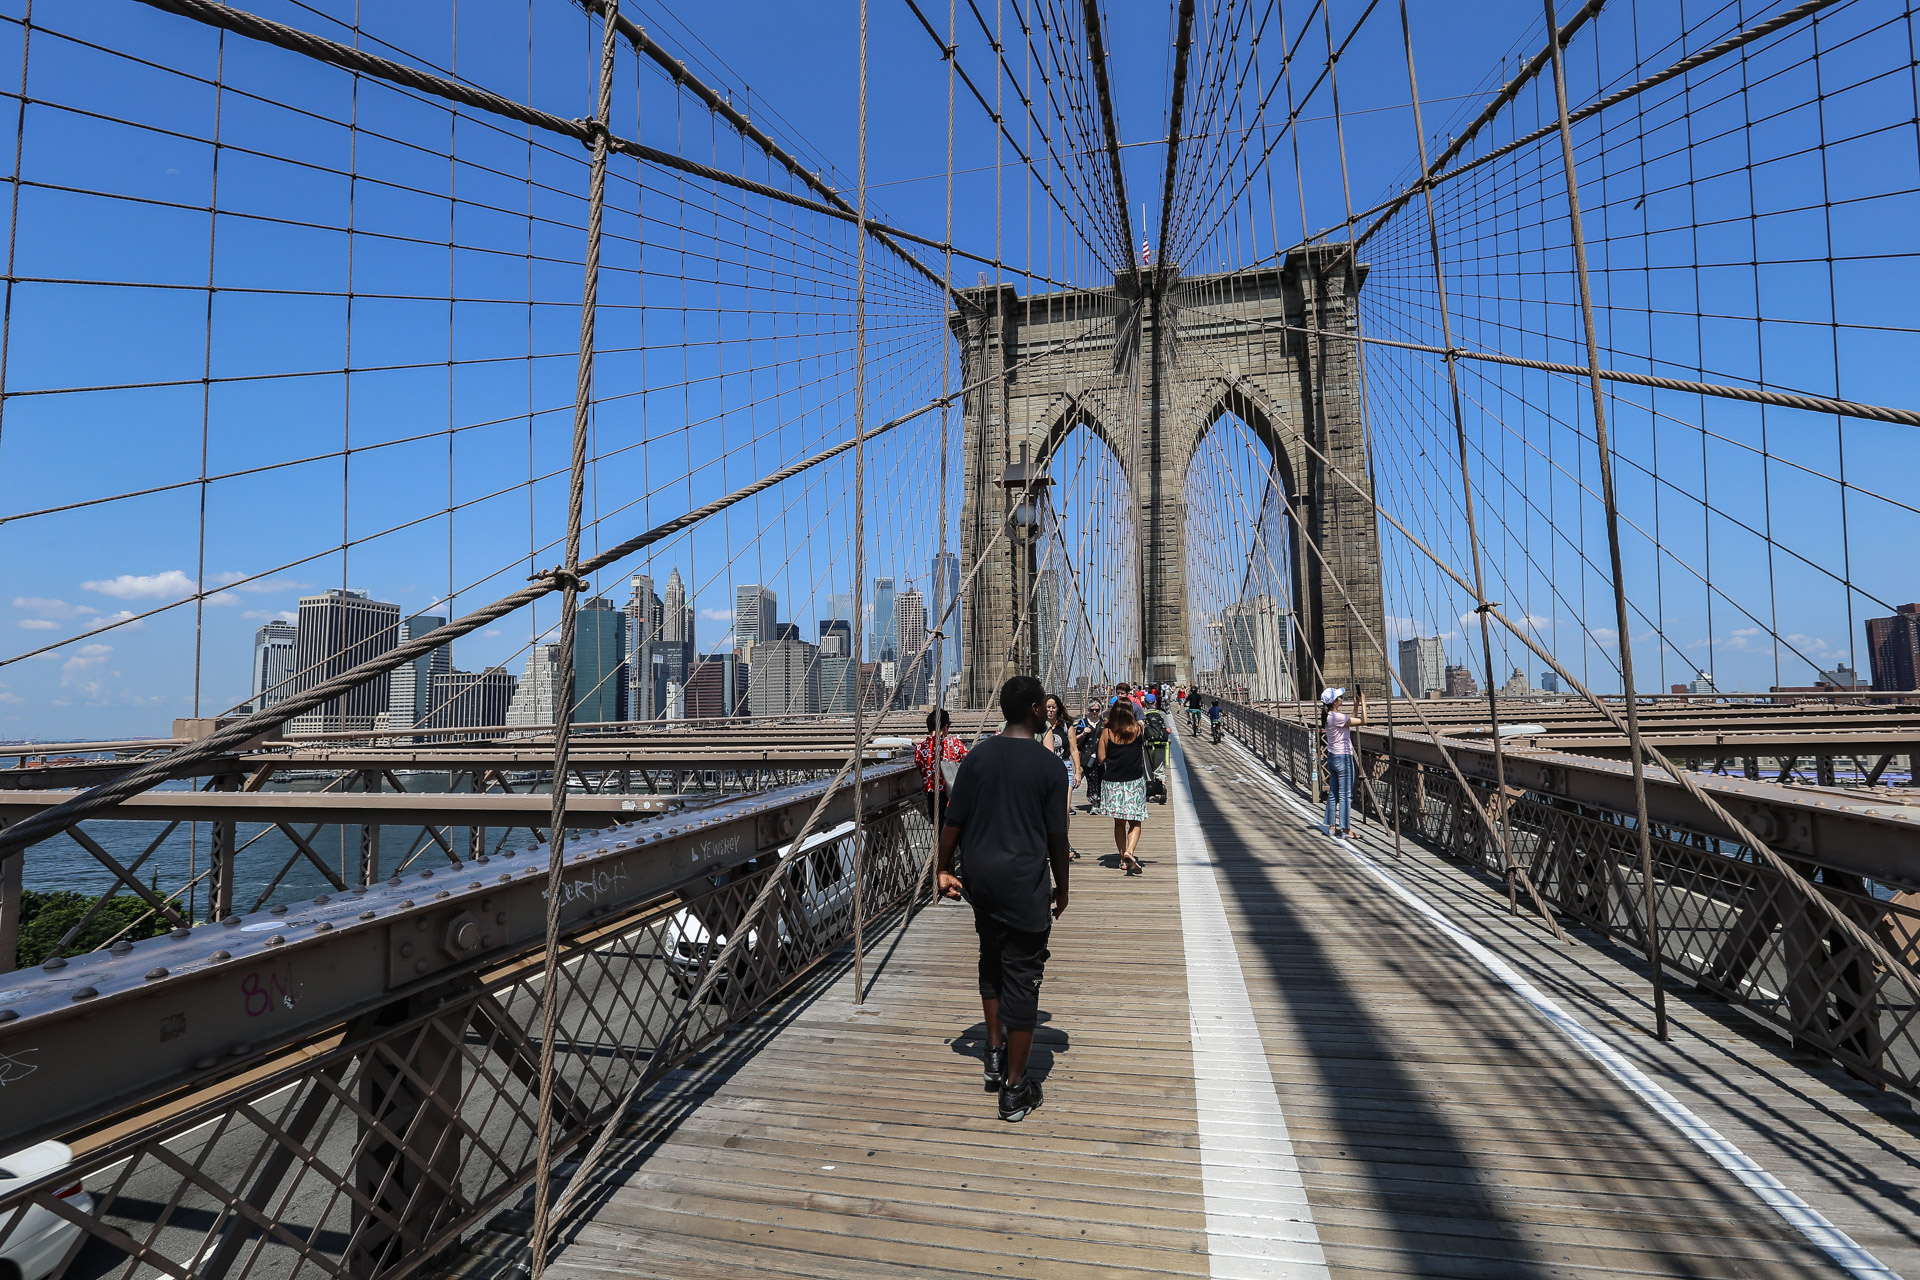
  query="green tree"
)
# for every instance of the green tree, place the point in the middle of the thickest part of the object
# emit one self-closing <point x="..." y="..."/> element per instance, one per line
<point x="46" y="917"/>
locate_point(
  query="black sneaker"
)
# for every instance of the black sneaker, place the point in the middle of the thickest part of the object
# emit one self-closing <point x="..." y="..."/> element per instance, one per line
<point x="996" y="1073"/>
<point x="1016" y="1100"/>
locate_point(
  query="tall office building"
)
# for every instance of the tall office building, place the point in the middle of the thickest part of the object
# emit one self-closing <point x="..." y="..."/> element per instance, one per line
<point x="1050" y="652"/>
<point x="1893" y="649"/>
<point x="786" y="677"/>
<point x="945" y="590"/>
<point x="1460" y="682"/>
<point x="533" y="698"/>
<point x="755" y="611"/>
<point x="410" y="691"/>
<point x="599" y="663"/>
<point x="676" y="623"/>
<point x="1549" y="682"/>
<point x="465" y="699"/>
<point x="1423" y="665"/>
<point x="881" y="648"/>
<point x="715" y="688"/>
<point x="336" y="632"/>
<point x="840" y="606"/>
<point x="913" y="685"/>
<point x="839" y="675"/>
<point x="644" y="614"/>
<point x="1255" y="660"/>
<point x="836" y="638"/>
<point x="272" y="664"/>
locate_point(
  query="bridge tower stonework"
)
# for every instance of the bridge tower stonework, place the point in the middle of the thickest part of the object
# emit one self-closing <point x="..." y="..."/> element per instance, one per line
<point x="1149" y="368"/>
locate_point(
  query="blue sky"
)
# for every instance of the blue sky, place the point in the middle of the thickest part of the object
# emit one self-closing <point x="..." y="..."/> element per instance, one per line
<point x="712" y="375"/>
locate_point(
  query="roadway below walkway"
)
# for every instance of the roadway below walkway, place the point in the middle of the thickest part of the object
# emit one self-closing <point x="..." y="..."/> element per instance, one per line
<point x="1273" y="1055"/>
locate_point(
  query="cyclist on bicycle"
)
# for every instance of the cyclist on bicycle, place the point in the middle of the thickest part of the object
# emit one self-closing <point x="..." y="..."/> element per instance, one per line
<point x="1195" y="703"/>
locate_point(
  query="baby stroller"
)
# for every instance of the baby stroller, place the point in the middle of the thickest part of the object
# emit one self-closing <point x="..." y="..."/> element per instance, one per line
<point x="1158" y="736"/>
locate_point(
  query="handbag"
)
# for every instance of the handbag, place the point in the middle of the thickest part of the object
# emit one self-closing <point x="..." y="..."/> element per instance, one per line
<point x="949" y="771"/>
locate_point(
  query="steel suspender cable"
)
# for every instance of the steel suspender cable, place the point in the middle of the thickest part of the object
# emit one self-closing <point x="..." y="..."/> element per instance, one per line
<point x="564" y="702"/>
<point x="1636" y="747"/>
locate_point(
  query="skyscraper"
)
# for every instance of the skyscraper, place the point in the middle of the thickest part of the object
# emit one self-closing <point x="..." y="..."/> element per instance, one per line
<point x="946" y="591"/>
<point x="882" y="646"/>
<point x="337" y="631"/>
<point x="272" y="664"/>
<point x="466" y="699"/>
<point x="755" y="611"/>
<point x="839" y="675"/>
<point x="786" y="678"/>
<point x="714" y="688"/>
<point x="644" y="614"/>
<point x="1893" y="649"/>
<point x="533" y="700"/>
<point x="1423" y="665"/>
<point x="836" y="638"/>
<point x="1460" y="682"/>
<point x="914" y="682"/>
<point x="410" y="692"/>
<point x="1255" y="659"/>
<point x="1050" y="642"/>
<point x="677" y="621"/>
<point x="599" y="663"/>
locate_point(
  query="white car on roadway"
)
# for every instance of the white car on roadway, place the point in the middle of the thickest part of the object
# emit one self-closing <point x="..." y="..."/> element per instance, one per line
<point x="824" y="881"/>
<point x="37" y="1243"/>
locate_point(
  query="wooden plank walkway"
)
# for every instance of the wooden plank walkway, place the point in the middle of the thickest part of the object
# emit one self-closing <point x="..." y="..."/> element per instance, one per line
<point x="1440" y="1123"/>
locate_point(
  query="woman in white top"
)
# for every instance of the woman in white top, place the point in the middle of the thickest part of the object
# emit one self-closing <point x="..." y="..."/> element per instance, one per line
<point x="1338" y="725"/>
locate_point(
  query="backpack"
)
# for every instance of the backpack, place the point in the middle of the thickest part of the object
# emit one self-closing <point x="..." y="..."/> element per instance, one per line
<point x="1156" y="727"/>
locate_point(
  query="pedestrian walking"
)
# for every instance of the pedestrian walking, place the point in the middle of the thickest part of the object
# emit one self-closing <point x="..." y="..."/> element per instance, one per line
<point x="1061" y="739"/>
<point x="1089" y="735"/>
<point x="1337" y="725"/>
<point x="1123" y="781"/>
<point x="1010" y="805"/>
<point x="939" y="755"/>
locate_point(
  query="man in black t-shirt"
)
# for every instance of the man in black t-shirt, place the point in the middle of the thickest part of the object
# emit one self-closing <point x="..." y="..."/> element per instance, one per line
<point x="1010" y="798"/>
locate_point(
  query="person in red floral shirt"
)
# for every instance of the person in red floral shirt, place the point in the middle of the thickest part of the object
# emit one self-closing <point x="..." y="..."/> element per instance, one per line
<point x="939" y="745"/>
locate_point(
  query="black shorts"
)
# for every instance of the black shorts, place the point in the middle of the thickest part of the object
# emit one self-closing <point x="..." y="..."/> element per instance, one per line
<point x="1012" y="963"/>
<point x="936" y="810"/>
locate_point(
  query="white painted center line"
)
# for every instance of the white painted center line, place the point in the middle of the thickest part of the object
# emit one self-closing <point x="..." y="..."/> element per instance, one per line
<point x="1771" y="1192"/>
<point x="1259" y="1224"/>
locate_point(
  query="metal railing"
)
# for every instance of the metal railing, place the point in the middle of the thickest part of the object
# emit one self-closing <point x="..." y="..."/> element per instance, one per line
<point x="1725" y="920"/>
<point x="393" y="1110"/>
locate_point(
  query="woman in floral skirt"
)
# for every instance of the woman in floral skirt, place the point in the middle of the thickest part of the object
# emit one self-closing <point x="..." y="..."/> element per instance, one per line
<point x="1123" y="780"/>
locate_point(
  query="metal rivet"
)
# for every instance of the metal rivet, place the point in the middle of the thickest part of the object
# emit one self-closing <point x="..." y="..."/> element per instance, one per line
<point x="321" y="900"/>
<point x="54" y="962"/>
<point x="280" y="909"/>
<point x="427" y="874"/>
<point x="205" y="1064"/>
<point x="276" y="940"/>
<point x="182" y="932"/>
<point x="405" y="903"/>
<point x="506" y="879"/>
<point x="442" y="894"/>
<point x="366" y="915"/>
<point x="325" y="926"/>
<point x="241" y="1049"/>
<point x="155" y="974"/>
<point x="231" y="920"/>
<point x="8" y="1015"/>
<point x="394" y="880"/>
<point x="85" y="993"/>
<point x="121" y="947"/>
<point x="474" y="885"/>
<point x="221" y="955"/>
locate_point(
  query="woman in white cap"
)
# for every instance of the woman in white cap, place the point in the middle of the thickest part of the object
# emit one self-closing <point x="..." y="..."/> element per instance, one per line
<point x="1338" y="726"/>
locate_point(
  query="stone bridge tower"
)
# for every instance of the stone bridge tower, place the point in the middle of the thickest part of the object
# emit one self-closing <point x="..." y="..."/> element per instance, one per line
<point x="1149" y="367"/>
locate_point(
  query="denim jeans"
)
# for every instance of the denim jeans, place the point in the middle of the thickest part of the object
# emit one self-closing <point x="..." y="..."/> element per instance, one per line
<point x="1340" y="790"/>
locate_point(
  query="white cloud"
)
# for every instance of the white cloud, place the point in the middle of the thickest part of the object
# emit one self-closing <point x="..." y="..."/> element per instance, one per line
<point x="493" y="631"/>
<point x="38" y="624"/>
<point x="717" y="615"/>
<point x="263" y="615"/>
<point x="265" y="586"/>
<point x="51" y="608"/>
<point x="1399" y="628"/>
<point x="168" y="585"/>
<point x="8" y="696"/>
<point x="90" y="655"/>
<point x="224" y="599"/>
